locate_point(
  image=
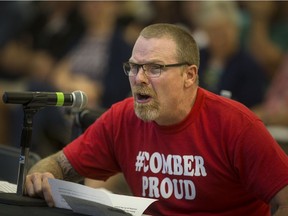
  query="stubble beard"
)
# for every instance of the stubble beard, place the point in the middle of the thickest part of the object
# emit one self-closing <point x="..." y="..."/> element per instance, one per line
<point x="147" y="112"/>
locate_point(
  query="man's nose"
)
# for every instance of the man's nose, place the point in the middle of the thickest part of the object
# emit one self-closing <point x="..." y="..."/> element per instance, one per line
<point x="141" y="76"/>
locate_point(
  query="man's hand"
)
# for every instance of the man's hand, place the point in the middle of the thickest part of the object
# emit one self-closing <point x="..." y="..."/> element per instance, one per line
<point x="37" y="185"/>
<point x="54" y="166"/>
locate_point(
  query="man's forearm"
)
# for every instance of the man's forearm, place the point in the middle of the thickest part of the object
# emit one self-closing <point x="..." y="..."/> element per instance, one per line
<point x="58" y="165"/>
<point x="49" y="164"/>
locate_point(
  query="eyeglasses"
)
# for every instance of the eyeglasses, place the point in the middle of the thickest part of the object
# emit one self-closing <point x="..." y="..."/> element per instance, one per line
<point x="150" y="70"/>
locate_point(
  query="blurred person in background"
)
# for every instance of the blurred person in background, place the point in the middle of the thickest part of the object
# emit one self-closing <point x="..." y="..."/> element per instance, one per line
<point x="266" y="38"/>
<point x="79" y="46"/>
<point x="46" y="34"/>
<point x="49" y="34"/>
<point x="189" y="11"/>
<point x="71" y="46"/>
<point x="93" y="66"/>
<point x="56" y="28"/>
<point x="54" y="31"/>
<point x="165" y="11"/>
<point x="224" y="64"/>
<point x="274" y="109"/>
<point x="96" y="57"/>
<point x="265" y="32"/>
<point x="14" y="16"/>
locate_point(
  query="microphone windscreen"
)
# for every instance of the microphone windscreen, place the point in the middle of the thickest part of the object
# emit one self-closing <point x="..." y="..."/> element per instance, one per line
<point x="80" y="101"/>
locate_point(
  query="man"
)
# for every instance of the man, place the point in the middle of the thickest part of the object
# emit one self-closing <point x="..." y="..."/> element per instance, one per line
<point x="194" y="151"/>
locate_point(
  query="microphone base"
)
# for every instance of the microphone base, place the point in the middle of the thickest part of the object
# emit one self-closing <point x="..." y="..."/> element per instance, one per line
<point x="19" y="200"/>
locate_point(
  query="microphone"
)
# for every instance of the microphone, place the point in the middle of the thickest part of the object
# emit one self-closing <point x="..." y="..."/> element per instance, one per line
<point x="77" y="99"/>
<point x="86" y="117"/>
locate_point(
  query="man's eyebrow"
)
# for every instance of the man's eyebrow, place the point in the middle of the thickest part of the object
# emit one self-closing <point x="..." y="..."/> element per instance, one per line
<point x="148" y="62"/>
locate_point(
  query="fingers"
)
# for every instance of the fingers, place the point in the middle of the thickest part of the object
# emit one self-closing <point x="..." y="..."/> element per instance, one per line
<point x="37" y="185"/>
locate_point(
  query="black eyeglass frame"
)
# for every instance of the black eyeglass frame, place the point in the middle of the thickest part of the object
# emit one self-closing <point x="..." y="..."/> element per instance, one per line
<point x="143" y="66"/>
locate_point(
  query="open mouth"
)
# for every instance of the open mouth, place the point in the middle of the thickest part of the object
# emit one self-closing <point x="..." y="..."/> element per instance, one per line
<point x="143" y="98"/>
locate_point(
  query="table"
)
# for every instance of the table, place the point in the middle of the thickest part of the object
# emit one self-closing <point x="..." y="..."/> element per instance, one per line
<point x="12" y="204"/>
<point x="16" y="210"/>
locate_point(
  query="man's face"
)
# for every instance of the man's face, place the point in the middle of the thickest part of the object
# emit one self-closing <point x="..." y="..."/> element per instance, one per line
<point x="157" y="99"/>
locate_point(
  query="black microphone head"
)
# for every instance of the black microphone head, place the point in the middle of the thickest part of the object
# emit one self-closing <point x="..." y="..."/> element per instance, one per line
<point x="80" y="101"/>
<point x="86" y="117"/>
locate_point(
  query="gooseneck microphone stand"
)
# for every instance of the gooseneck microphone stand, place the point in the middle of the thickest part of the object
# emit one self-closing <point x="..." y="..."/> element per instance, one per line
<point x="25" y="147"/>
<point x="19" y="198"/>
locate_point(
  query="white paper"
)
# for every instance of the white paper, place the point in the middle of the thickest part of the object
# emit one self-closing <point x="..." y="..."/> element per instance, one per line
<point x="92" y="208"/>
<point x="61" y="189"/>
<point x="6" y="187"/>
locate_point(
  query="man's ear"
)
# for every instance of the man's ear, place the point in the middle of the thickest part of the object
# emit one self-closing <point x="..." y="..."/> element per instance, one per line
<point x="191" y="75"/>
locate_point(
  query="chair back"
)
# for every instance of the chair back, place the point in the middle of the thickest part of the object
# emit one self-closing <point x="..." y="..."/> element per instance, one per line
<point x="9" y="162"/>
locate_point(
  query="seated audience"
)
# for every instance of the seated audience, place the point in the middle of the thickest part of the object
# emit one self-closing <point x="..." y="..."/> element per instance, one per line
<point x="224" y="64"/>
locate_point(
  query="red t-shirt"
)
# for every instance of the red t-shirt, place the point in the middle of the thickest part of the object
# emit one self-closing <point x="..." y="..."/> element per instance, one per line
<point x="220" y="160"/>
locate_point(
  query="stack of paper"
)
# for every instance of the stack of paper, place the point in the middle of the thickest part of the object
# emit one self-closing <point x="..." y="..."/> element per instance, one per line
<point x="90" y="201"/>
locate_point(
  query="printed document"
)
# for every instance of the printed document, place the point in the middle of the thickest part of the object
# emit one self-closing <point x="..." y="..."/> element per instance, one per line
<point x="7" y="187"/>
<point x="86" y="200"/>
